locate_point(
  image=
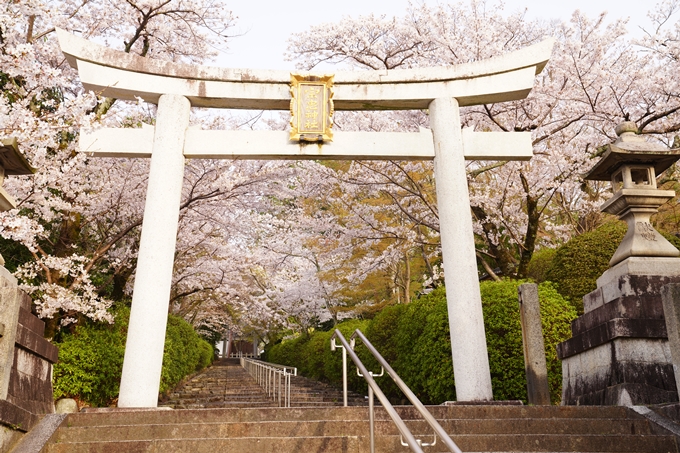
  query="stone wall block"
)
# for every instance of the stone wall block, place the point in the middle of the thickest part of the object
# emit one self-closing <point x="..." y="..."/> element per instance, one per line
<point x="670" y="295"/>
<point x="37" y="344"/>
<point x="9" y="318"/>
<point x="30" y="321"/>
<point x="26" y="303"/>
<point x="610" y="330"/>
<point x="636" y="285"/>
<point x="593" y="300"/>
<point x="26" y="357"/>
<point x="31" y="365"/>
<point x="600" y="375"/>
<point x="17" y="417"/>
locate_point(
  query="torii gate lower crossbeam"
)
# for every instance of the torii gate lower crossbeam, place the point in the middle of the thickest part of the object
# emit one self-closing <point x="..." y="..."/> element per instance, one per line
<point x="176" y="87"/>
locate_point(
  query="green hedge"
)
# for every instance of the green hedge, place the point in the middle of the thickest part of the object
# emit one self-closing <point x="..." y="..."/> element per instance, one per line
<point x="541" y="261"/>
<point x="504" y="337"/>
<point x="312" y="355"/>
<point x="91" y="359"/>
<point x="415" y="340"/>
<point x="90" y="364"/>
<point x="576" y="266"/>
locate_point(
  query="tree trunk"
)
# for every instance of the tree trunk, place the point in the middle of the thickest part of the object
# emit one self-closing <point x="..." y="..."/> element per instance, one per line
<point x="407" y="279"/>
<point x="533" y="216"/>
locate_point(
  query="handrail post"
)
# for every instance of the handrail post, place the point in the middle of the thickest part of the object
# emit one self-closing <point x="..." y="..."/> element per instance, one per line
<point x="344" y="377"/>
<point x="274" y="379"/>
<point x="371" y="418"/>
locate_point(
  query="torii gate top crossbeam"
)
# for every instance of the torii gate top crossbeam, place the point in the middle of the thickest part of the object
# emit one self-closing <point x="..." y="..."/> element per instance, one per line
<point x="125" y="76"/>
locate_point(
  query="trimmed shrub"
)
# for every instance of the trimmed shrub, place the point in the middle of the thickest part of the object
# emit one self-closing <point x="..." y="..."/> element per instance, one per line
<point x="412" y="324"/>
<point x="313" y="358"/>
<point x="184" y="353"/>
<point x="415" y="341"/>
<point x="90" y="364"/>
<point x="431" y="352"/>
<point x="382" y="333"/>
<point x="289" y="353"/>
<point x="333" y="359"/>
<point x="578" y="264"/>
<point x="425" y="358"/>
<point x="91" y="359"/>
<point x="540" y="262"/>
<point x="504" y="337"/>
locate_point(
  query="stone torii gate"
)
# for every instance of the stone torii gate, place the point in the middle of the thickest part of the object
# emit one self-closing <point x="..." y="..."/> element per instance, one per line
<point x="177" y="87"/>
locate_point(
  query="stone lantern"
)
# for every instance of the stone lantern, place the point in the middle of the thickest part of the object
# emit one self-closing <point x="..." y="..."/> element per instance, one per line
<point x="632" y="165"/>
<point x="619" y="352"/>
<point x="12" y="162"/>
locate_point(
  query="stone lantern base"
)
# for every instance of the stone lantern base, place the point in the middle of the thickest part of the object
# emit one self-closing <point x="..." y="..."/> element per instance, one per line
<point x="619" y="352"/>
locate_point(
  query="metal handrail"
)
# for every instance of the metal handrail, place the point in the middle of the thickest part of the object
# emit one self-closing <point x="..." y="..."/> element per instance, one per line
<point x="273" y="378"/>
<point x="239" y="354"/>
<point x="414" y="444"/>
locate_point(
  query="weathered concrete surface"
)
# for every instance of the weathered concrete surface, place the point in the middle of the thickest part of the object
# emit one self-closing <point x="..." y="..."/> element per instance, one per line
<point x="670" y="295"/>
<point x="141" y="375"/>
<point x="126" y="76"/>
<point x="9" y="437"/>
<point x="635" y="276"/>
<point x="625" y="371"/>
<point x="26" y="359"/>
<point x="9" y="318"/>
<point x="35" y="440"/>
<point x="535" y="365"/>
<point x="222" y="144"/>
<point x="16" y="417"/>
<point x="464" y="300"/>
<point x="473" y="428"/>
<point x="619" y="351"/>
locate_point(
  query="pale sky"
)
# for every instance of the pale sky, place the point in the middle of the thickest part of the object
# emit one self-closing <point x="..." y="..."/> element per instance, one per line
<point x="267" y="24"/>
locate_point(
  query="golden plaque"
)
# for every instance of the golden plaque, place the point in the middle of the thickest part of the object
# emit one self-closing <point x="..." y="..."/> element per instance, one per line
<point x="311" y="108"/>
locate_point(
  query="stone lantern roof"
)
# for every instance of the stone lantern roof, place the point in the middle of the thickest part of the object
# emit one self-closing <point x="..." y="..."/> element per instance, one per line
<point x="632" y="149"/>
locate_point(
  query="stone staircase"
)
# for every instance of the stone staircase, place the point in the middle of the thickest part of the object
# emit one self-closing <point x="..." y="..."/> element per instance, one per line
<point x="226" y="384"/>
<point x="306" y="392"/>
<point x="339" y="430"/>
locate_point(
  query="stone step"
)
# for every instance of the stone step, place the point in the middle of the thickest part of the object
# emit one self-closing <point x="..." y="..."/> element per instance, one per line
<point x="473" y="428"/>
<point x="349" y="413"/>
<point x="229" y="382"/>
<point x="222" y="394"/>
<point x="455" y="428"/>
<point x="360" y="444"/>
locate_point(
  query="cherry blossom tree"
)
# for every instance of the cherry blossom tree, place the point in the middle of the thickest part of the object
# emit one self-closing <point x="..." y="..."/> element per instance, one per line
<point x="78" y="218"/>
<point x="596" y="78"/>
<point x="270" y="245"/>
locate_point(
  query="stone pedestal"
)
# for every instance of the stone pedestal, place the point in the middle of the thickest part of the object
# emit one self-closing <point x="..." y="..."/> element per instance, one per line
<point x="619" y="352"/>
<point x="26" y="359"/>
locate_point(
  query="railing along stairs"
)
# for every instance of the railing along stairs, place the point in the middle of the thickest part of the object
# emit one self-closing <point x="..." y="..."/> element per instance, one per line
<point x="273" y="378"/>
<point x="407" y="438"/>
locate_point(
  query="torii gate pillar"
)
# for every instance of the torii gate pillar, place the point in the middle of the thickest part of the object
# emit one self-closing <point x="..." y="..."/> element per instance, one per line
<point x="464" y="301"/>
<point x="143" y="360"/>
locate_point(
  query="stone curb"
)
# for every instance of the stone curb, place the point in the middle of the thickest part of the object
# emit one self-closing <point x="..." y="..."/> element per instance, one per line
<point x="34" y="440"/>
